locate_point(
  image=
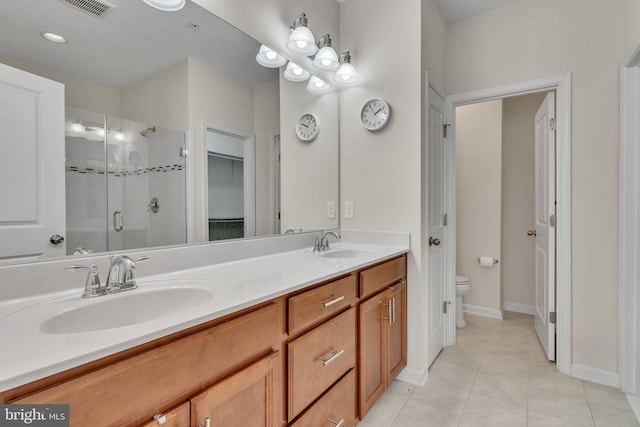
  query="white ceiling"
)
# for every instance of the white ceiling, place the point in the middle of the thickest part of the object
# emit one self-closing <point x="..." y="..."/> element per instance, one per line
<point x="127" y="44"/>
<point x="454" y="10"/>
<point x="134" y="40"/>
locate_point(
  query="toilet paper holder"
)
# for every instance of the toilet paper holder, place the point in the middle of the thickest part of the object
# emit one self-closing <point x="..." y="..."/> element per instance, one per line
<point x="495" y="261"/>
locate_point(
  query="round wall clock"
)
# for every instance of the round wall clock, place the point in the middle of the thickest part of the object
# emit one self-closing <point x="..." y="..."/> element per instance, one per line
<point x="308" y="127"/>
<point x="375" y="114"/>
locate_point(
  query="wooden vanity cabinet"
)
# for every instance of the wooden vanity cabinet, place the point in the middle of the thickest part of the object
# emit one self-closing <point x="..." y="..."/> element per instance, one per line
<point x="130" y="391"/>
<point x="247" y="398"/>
<point x="382" y="330"/>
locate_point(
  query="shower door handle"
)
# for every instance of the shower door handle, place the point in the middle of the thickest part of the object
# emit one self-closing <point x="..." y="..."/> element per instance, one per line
<point x="118" y="220"/>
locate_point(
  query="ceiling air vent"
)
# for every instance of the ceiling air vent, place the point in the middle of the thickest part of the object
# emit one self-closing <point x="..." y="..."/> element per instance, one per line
<point x="91" y="7"/>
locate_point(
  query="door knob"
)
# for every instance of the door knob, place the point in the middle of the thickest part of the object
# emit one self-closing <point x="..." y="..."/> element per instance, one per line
<point x="531" y="233"/>
<point x="434" y="242"/>
<point x="56" y="239"/>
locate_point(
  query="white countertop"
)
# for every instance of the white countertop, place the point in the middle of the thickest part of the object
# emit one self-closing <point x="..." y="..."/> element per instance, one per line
<point x="28" y="354"/>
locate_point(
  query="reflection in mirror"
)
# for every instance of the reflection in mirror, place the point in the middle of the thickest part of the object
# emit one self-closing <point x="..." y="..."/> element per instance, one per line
<point x="125" y="184"/>
<point x="187" y="71"/>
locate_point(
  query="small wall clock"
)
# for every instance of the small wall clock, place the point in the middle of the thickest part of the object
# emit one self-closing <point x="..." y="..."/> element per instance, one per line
<point x="375" y="114"/>
<point x="308" y="127"/>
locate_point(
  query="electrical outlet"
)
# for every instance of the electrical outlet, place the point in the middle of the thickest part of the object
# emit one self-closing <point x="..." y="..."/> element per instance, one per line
<point x="348" y="210"/>
<point x="331" y="210"/>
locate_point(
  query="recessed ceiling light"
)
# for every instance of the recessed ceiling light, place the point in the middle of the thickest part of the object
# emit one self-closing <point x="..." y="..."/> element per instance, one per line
<point x="53" y="37"/>
<point x="167" y="5"/>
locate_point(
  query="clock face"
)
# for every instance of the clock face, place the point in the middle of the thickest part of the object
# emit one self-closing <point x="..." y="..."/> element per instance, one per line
<point x="375" y="114"/>
<point x="307" y="127"/>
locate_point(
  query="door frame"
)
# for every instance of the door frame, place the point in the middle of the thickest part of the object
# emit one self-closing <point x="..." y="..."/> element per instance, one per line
<point x="629" y="246"/>
<point x="249" y="177"/>
<point x="561" y="84"/>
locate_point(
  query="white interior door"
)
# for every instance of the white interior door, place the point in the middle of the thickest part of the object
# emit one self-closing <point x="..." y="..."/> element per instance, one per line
<point x="544" y="232"/>
<point x="32" y="182"/>
<point x="436" y="221"/>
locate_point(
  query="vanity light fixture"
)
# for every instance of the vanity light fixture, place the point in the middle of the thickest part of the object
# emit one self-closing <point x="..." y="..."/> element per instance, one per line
<point x="346" y="74"/>
<point x="295" y="73"/>
<point x="317" y="85"/>
<point x="166" y="5"/>
<point x="117" y="135"/>
<point x="301" y="39"/>
<point x="326" y="58"/>
<point x="53" y="37"/>
<point x="269" y="58"/>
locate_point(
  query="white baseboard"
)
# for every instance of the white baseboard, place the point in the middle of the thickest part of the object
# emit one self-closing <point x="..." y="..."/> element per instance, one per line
<point x="634" y="401"/>
<point x="482" y="311"/>
<point x="413" y="376"/>
<point x="519" y="308"/>
<point x="595" y="375"/>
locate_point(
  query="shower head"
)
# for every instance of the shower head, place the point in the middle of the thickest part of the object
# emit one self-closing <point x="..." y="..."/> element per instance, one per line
<point x="147" y="130"/>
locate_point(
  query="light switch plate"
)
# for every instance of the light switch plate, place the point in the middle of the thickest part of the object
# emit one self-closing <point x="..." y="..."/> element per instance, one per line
<point x="348" y="210"/>
<point x="331" y="210"/>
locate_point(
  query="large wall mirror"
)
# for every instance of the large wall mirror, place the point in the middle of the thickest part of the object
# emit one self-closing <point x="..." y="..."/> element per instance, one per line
<point x="173" y="133"/>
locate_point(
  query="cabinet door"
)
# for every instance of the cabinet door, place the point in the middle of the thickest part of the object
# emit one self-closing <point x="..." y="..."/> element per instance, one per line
<point x="177" y="417"/>
<point x="372" y="351"/>
<point x="247" y="398"/>
<point x="397" y="350"/>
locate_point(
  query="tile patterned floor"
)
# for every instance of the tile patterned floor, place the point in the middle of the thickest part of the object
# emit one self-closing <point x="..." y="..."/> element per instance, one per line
<point x="497" y="375"/>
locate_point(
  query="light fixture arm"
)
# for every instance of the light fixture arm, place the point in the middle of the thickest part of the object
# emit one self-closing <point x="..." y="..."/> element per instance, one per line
<point x="325" y="41"/>
<point x="345" y="58"/>
<point x="300" y="21"/>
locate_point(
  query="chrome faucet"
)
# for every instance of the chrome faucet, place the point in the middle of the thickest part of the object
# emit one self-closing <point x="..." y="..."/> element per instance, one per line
<point x="321" y="242"/>
<point x="119" y="279"/>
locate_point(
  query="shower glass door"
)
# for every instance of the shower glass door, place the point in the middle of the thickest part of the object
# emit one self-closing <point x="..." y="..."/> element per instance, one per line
<point x="146" y="185"/>
<point x="126" y="184"/>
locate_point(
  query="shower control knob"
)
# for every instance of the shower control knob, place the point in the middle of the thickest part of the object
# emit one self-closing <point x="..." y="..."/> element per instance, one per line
<point x="56" y="239"/>
<point x="434" y="242"/>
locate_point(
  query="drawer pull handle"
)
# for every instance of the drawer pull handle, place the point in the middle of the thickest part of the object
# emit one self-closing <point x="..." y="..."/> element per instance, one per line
<point x="332" y="301"/>
<point x="160" y="418"/>
<point x="393" y="310"/>
<point x="337" y="423"/>
<point x="336" y="354"/>
<point x="207" y="422"/>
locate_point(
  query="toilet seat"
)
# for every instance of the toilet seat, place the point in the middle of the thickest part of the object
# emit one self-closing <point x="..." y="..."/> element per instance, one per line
<point x="462" y="280"/>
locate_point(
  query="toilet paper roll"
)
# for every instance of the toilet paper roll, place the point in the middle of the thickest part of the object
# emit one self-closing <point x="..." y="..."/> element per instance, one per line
<point x="486" y="261"/>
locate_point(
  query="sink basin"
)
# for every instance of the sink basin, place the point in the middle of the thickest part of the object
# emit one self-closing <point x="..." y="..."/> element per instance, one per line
<point x="346" y="253"/>
<point x="126" y="309"/>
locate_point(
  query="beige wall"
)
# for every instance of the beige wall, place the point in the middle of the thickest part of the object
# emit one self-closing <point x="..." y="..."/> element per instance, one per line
<point x="518" y="198"/>
<point x="537" y="38"/>
<point x="381" y="172"/>
<point x="478" y="200"/>
<point x="78" y="93"/>
<point x="266" y="118"/>
<point x="160" y="99"/>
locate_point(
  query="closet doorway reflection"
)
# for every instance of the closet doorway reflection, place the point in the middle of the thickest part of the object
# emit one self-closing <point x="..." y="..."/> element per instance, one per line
<point x="231" y="185"/>
<point x="125" y="184"/>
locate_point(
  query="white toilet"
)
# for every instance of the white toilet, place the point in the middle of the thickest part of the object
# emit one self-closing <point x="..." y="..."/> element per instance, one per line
<point x="462" y="288"/>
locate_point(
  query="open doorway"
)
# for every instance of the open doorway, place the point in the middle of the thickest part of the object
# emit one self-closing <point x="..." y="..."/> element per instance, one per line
<point x="230" y="205"/>
<point x="505" y="198"/>
<point x="561" y="85"/>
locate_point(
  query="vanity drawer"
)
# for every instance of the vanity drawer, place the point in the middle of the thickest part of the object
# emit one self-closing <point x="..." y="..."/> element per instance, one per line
<point x="320" y="303"/>
<point x="336" y="406"/>
<point x="382" y="275"/>
<point x="319" y="358"/>
<point x="146" y="383"/>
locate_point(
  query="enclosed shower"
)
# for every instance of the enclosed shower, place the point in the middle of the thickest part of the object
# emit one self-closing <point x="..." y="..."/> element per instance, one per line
<point x="125" y="184"/>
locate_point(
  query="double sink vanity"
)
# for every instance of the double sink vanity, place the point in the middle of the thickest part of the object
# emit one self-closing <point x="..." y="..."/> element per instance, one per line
<point x="283" y="337"/>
